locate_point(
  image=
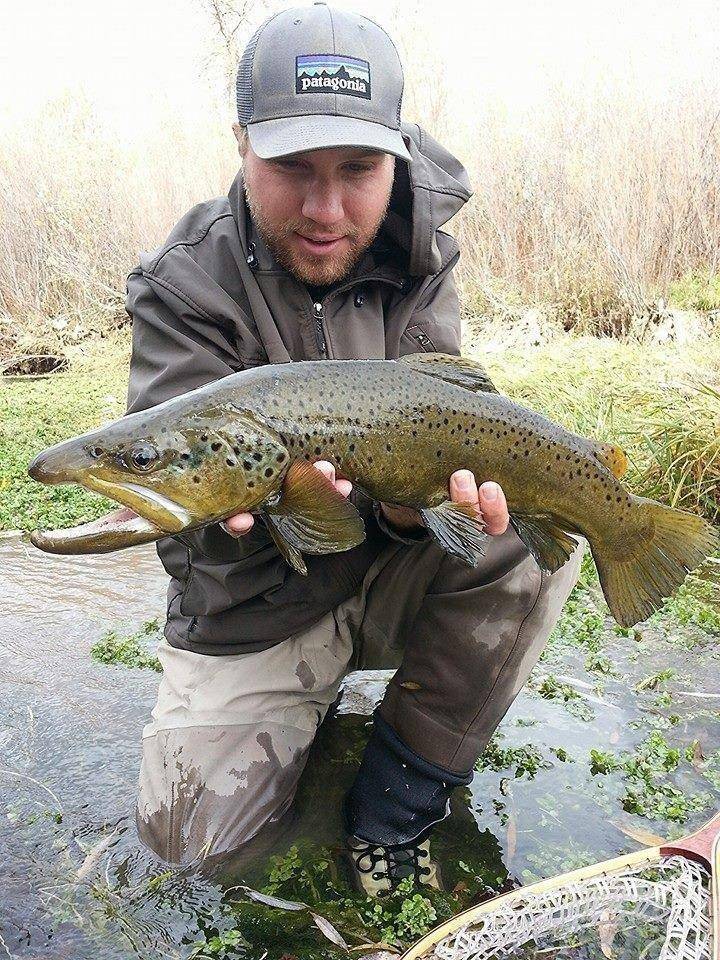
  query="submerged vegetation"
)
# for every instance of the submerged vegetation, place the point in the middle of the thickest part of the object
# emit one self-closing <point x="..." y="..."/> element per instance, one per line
<point x="130" y="651"/>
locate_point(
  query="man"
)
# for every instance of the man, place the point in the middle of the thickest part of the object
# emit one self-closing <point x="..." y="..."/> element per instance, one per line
<point x="328" y="246"/>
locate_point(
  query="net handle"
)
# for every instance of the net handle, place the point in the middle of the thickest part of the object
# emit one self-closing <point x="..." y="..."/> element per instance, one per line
<point x="698" y="846"/>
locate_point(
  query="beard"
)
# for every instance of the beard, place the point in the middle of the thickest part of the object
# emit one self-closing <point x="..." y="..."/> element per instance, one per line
<point x="319" y="271"/>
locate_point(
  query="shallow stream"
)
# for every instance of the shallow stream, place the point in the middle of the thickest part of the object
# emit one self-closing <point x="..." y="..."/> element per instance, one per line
<point x="77" y="884"/>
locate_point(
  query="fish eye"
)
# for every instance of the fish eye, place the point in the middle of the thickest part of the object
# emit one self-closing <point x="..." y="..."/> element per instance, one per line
<point x="94" y="452"/>
<point x="143" y="457"/>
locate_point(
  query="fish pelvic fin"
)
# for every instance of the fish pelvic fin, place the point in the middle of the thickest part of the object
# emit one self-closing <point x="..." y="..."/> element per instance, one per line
<point x="547" y="542"/>
<point x="456" y="370"/>
<point x="611" y="456"/>
<point x="458" y="529"/>
<point x="668" y="544"/>
<point x="311" y="517"/>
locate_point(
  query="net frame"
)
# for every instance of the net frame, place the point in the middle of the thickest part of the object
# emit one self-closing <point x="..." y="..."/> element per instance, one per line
<point x="702" y="847"/>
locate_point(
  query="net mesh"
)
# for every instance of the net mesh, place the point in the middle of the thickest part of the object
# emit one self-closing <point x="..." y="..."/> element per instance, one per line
<point x="645" y="913"/>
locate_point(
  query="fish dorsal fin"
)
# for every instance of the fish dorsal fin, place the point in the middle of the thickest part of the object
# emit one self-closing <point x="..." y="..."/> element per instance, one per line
<point x="612" y="457"/>
<point x="456" y="370"/>
<point x="311" y="517"/>
<point x="550" y="545"/>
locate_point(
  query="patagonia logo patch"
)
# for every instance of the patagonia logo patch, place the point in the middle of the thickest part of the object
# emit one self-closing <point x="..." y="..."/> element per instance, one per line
<point x="332" y="73"/>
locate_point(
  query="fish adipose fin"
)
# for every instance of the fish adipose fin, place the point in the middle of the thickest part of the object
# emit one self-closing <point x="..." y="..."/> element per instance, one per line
<point x="311" y="517"/>
<point x="456" y="370"/>
<point x="612" y="457"/>
<point x="654" y="562"/>
<point x="549" y="544"/>
<point x="458" y="529"/>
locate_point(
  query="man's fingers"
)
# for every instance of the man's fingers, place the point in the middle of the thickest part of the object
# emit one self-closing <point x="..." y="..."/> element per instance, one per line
<point x="326" y="468"/>
<point x="344" y="487"/>
<point x="463" y="488"/>
<point x="494" y="508"/>
<point x="242" y="523"/>
<point x="239" y="524"/>
<point x="489" y="500"/>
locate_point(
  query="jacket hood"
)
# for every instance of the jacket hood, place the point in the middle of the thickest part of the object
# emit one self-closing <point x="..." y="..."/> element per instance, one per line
<point x="437" y="186"/>
<point x="426" y="194"/>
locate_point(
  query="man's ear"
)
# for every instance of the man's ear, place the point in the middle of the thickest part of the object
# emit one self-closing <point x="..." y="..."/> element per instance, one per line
<point x="242" y="137"/>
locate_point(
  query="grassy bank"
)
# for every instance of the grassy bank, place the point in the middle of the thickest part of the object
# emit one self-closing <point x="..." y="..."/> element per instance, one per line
<point x="35" y="413"/>
<point x="660" y="403"/>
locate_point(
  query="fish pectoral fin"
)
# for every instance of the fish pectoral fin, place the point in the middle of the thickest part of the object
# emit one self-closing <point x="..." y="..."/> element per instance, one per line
<point x="458" y="529"/>
<point x="312" y="517"/>
<point x="456" y="370"/>
<point x="289" y="553"/>
<point x="549" y="544"/>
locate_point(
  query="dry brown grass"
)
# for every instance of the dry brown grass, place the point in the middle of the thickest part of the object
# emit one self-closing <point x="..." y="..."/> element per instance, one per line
<point x="589" y="208"/>
<point x="593" y="206"/>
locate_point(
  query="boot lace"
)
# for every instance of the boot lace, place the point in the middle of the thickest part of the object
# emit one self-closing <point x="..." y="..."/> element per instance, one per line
<point x="399" y="862"/>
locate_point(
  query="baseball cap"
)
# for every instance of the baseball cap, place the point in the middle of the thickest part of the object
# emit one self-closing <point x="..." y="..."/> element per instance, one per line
<point x="315" y="77"/>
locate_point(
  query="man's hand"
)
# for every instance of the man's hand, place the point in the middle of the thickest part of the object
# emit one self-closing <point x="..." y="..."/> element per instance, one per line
<point x="488" y="500"/>
<point x="242" y="523"/>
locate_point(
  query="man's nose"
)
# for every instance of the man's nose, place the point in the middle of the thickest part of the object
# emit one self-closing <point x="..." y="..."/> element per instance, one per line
<point x="323" y="203"/>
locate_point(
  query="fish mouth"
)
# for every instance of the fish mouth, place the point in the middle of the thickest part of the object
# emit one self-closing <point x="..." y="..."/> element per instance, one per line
<point x="113" y="531"/>
<point x="146" y="515"/>
<point x="151" y="505"/>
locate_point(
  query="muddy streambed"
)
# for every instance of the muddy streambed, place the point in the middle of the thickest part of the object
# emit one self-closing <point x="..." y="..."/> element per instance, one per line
<point x="616" y="737"/>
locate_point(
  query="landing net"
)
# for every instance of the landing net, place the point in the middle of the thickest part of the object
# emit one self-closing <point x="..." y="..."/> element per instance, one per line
<point x="657" y="912"/>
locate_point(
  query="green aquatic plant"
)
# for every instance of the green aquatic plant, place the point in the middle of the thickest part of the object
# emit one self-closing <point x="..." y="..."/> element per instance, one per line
<point x="647" y="790"/>
<point x="526" y="759"/>
<point x="550" y="688"/>
<point x="218" y="947"/>
<point x="130" y="651"/>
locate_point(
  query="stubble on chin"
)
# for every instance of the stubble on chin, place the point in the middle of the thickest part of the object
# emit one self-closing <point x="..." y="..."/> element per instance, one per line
<point x="316" y="271"/>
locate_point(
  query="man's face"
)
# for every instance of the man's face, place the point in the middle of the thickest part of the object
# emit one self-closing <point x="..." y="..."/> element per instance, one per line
<point x="319" y="211"/>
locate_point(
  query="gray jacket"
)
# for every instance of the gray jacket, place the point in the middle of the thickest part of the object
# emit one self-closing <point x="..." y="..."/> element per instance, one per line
<point x="211" y="301"/>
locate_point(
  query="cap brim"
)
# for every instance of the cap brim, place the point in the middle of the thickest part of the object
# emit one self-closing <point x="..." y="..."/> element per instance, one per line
<point x="279" y="138"/>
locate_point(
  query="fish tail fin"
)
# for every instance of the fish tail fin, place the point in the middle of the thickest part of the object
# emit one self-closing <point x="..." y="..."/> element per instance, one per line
<point x="658" y="552"/>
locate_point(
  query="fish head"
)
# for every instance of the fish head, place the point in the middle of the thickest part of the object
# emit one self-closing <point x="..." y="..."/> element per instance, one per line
<point x="176" y="469"/>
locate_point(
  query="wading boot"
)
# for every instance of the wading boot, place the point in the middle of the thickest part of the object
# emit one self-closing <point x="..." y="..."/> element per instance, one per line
<point x="395" y="801"/>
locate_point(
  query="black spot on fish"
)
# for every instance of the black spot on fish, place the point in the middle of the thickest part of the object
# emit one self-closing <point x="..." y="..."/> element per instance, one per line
<point x="184" y="456"/>
<point x="280" y="458"/>
<point x="204" y="437"/>
<point x="215" y="446"/>
<point x="269" y="472"/>
<point x="196" y="479"/>
<point x="247" y="465"/>
<point x="251" y="484"/>
<point x="257" y="456"/>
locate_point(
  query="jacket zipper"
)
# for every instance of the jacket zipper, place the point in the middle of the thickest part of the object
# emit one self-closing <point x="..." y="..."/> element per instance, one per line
<point x="319" y="307"/>
<point x="319" y="314"/>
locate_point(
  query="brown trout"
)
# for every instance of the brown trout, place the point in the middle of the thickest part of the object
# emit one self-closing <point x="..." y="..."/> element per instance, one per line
<point x="397" y="430"/>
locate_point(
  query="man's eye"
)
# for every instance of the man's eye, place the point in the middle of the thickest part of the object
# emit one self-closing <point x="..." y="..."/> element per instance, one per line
<point x="359" y="168"/>
<point x="288" y="164"/>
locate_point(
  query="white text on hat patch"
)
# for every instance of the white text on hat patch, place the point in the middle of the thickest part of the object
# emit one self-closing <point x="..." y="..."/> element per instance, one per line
<point x="332" y="73"/>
